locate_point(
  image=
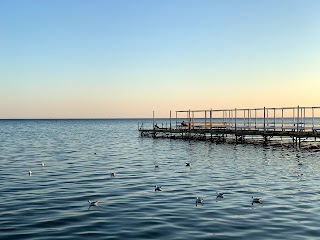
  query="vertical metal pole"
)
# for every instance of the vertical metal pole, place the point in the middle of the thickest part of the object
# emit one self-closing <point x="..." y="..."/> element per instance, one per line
<point x="244" y="119"/>
<point x="192" y="120"/>
<point x="222" y="115"/>
<point x="274" y="119"/>
<point x="176" y="119"/>
<point x="255" y="118"/>
<point x="267" y="117"/>
<point x="211" y="124"/>
<point x="189" y="120"/>
<point x="235" y="121"/>
<point x="153" y="119"/>
<point x="297" y="126"/>
<point x="294" y="117"/>
<point x="304" y="117"/>
<point x="264" y="120"/>
<point x="154" y="131"/>
<point x="312" y="118"/>
<point x="298" y="119"/>
<point x="249" y="122"/>
<point x="205" y="119"/>
<point x="282" y="119"/>
<point x="170" y="120"/>
<point x="264" y="125"/>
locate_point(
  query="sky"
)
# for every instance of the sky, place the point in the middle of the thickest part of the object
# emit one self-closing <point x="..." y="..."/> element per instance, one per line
<point x="128" y="58"/>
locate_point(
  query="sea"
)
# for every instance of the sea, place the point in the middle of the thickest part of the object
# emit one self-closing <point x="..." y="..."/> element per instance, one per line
<point x="80" y="155"/>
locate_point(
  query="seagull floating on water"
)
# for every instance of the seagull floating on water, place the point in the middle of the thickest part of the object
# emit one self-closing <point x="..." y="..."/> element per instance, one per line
<point x="30" y="173"/>
<point x="93" y="203"/>
<point x="220" y="195"/>
<point x="42" y="164"/>
<point x="188" y="164"/>
<point x="113" y="174"/>
<point x="256" y="200"/>
<point x="157" y="188"/>
<point x="199" y="200"/>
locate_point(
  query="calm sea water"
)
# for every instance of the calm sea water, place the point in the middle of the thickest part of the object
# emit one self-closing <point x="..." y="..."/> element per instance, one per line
<point x="79" y="156"/>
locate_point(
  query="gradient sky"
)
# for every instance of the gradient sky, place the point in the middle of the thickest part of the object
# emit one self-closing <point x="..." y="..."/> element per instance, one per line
<point x="127" y="58"/>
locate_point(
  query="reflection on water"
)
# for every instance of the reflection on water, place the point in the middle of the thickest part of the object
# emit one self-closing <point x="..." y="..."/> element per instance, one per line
<point x="80" y="155"/>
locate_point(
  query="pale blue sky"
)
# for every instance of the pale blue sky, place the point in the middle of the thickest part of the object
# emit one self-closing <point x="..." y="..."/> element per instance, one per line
<point x="126" y="58"/>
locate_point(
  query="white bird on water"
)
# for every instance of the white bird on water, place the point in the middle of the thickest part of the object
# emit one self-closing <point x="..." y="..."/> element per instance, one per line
<point x="157" y="188"/>
<point x="199" y="200"/>
<point x="42" y="164"/>
<point x="220" y="195"/>
<point x="256" y="200"/>
<point x="30" y="173"/>
<point x="93" y="203"/>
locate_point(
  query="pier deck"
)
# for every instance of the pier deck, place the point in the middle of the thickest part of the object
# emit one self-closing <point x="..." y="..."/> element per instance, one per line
<point x="297" y="124"/>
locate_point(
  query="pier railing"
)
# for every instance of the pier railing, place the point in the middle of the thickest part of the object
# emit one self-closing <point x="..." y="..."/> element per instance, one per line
<point x="266" y="119"/>
<point x="296" y="123"/>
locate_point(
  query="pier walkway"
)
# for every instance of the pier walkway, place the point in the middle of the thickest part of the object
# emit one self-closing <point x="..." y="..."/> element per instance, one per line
<point x="294" y="124"/>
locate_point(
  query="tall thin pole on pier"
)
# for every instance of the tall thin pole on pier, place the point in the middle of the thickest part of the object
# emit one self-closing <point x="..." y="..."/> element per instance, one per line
<point x="312" y="118"/>
<point x="176" y="119"/>
<point x="267" y="117"/>
<point x="304" y="115"/>
<point x="223" y="116"/>
<point x="211" y="124"/>
<point x="189" y="122"/>
<point x="244" y="118"/>
<point x="205" y="119"/>
<point x="274" y="119"/>
<point x="264" y="120"/>
<point x="264" y="125"/>
<point x="249" y="120"/>
<point x="235" y="120"/>
<point x="170" y="119"/>
<point x="154" y="131"/>
<point x="282" y="120"/>
<point x="294" y="117"/>
<point x="298" y="128"/>
<point x="192" y="120"/>
<point x="235" y="124"/>
<point x="255" y="119"/>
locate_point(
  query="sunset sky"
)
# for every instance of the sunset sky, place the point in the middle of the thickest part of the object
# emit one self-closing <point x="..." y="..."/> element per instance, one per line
<point x="127" y="58"/>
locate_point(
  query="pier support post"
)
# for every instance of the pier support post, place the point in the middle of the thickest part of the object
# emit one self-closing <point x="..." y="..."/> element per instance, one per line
<point x="235" y="124"/>
<point x="298" y="129"/>
<point x="170" y="121"/>
<point x="154" y="131"/>
<point x="211" y="125"/>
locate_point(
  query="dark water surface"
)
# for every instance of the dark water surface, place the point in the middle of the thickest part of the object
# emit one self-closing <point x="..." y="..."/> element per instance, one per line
<point x="52" y="202"/>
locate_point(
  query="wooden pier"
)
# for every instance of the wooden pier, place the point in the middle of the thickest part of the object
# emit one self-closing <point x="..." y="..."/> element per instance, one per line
<point x="293" y="125"/>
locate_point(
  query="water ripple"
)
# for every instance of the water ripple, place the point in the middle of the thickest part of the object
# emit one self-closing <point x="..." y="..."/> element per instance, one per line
<point x="79" y="156"/>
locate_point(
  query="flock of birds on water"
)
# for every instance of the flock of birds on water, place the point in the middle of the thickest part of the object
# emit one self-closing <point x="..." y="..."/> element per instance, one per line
<point x="159" y="188"/>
